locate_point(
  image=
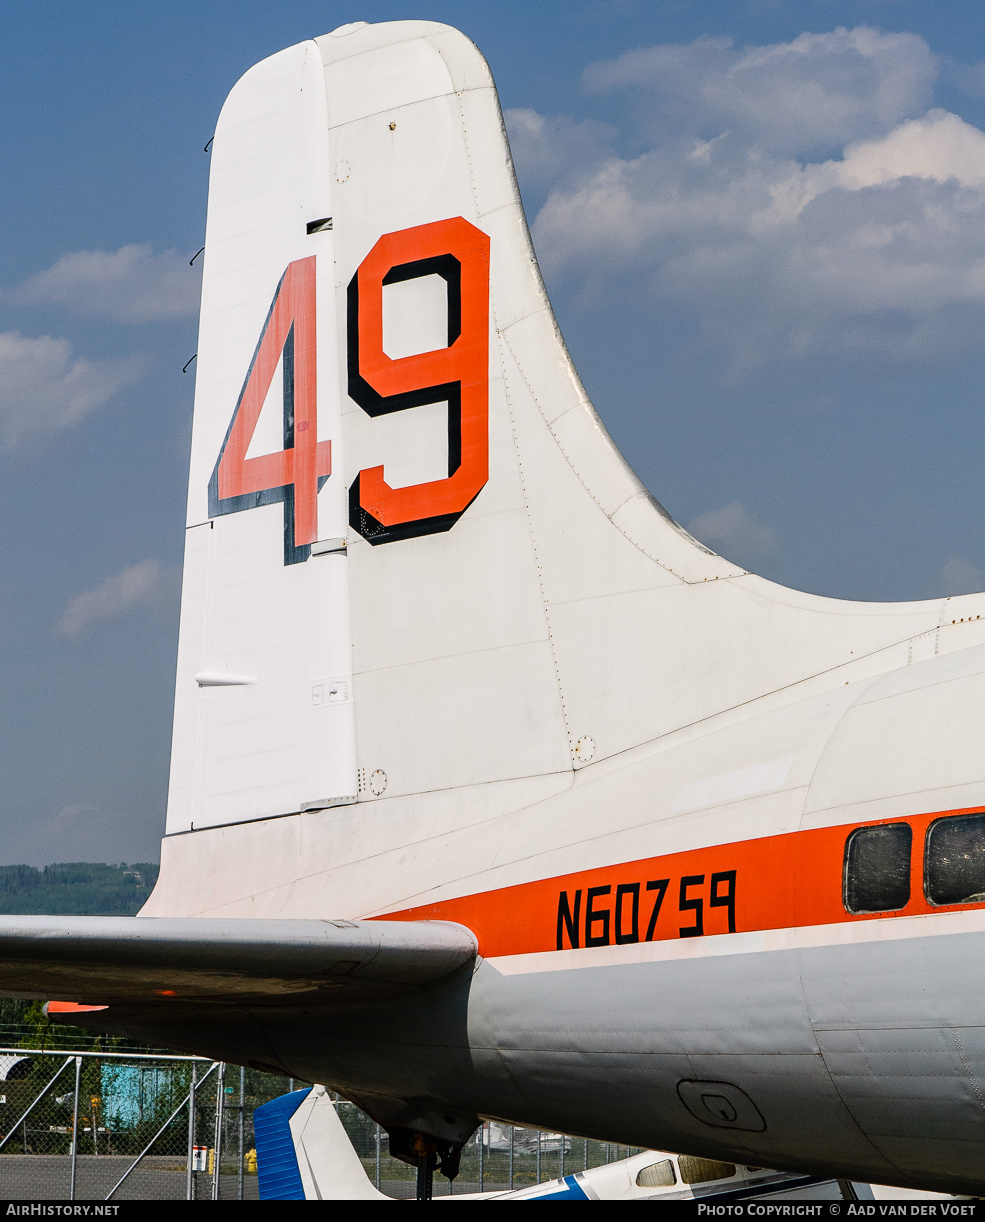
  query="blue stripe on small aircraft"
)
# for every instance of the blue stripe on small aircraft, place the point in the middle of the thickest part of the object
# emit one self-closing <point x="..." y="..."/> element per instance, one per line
<point x="567" y="1189"/>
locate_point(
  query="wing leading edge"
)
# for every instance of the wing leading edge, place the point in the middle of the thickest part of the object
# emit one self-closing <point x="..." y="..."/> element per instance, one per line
<point x="103" y="960"/>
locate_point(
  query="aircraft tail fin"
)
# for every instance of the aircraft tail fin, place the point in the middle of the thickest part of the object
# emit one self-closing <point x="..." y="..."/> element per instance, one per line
<point x="418" y="573"/>
<point x="304" y="1153"/>
<point x="396" y="474"/>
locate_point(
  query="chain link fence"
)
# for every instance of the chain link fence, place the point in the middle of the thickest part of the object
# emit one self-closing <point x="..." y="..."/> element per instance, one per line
<point x="91" y="1125"/>
<point x="498" y="1157"/>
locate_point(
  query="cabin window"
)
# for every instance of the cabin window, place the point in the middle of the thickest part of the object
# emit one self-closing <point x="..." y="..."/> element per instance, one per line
<point x="703" y="1170"/>
<point x="657" y="1175"/>
<point x="877" y="868"/>
<point x="954" y="862"/>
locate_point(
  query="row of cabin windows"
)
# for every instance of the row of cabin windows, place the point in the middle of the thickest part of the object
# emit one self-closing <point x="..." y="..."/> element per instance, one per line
<point x="877" y="864"/>
<point x="693" y="1171"/>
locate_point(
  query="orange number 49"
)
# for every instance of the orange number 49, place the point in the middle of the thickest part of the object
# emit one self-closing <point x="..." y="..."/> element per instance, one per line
<point x="457" y="374"/>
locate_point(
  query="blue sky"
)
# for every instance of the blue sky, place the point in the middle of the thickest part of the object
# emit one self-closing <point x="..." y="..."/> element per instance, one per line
<point x="761" y="227"/>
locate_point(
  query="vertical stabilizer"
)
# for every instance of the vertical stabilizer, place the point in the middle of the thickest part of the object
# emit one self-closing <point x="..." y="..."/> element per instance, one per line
<point x="422" y="589"/>
<point x="263" y="707"/>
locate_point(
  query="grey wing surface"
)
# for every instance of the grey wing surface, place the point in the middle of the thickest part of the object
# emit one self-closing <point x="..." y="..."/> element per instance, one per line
<point x="104" y="960"/>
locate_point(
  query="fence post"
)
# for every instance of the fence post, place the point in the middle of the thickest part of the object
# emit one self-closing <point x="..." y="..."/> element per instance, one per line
<point x="563" y="1144"/>
<point x="146" y="1150"/>
<point x="22" y="1123"/>
<point x="539" y="1147"/>
<point x="190" y="1184"/>
<point x="482" y="1151"/>
<point x="219" y="1099"/>
<point x="586" y="1153"/>
<point x="242" y="1126"/>
<point x="512" y="1145"/>
<point x="75" y="1126"/>
<point x="377" y="1158"/>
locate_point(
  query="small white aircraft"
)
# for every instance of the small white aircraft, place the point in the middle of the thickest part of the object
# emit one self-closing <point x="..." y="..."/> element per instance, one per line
<point x="493" y="792"/>
<point x="305" y="1154"/>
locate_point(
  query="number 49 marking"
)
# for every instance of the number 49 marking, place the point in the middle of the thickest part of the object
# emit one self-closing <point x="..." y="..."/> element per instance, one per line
<point x="295" y="474"/>
<point x="457" y="374"/>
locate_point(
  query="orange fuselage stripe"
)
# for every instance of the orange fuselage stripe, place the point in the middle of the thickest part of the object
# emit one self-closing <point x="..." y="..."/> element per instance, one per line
<point x="774" y="882"/>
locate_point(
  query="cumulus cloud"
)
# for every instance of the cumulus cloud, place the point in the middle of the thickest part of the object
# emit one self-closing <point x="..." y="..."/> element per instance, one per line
<point x="70" y="817"/>
<point x="547" y="147"/>
<point x="734" y="530"/>
<point x="131" y="284"/>
<point x="959" y="576"/>
<point x="798" y="201"/>
<point x="45" y="387"/>
<point x="939" y="147"/>
<point x="818" y="89"/>
<point x="145" y="584"/>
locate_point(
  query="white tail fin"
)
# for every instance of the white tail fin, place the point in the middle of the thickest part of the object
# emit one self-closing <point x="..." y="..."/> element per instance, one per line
<point x="304" y="1152"/>
<point x="263" y="709"/>
<point x="362" y="211"/>
<point x="416" y="563"/>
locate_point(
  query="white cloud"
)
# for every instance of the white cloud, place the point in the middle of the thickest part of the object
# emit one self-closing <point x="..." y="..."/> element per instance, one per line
<point x="959" y="576"/>
<point x="127" y="285"/>
<point x="939" y="147"/>
<point x="818" y="89"/>
<point x="734" y="530"/>
<point x="545" y="147"/>
<point x="872" y="253"/>
<point x="144" y="584"/>
<point x="75" y="814"/>
<point x="45" y="387"/>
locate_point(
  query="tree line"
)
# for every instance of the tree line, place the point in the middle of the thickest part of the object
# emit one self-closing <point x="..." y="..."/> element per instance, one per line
<point x="79" y="888"/>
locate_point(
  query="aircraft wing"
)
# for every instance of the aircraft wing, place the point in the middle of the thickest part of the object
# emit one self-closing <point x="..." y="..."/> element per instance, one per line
<point x="102" y="960"/>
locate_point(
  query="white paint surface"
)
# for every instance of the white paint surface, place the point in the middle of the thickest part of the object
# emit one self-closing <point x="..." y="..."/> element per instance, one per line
<point x="733" y="786"/>
<point x="415" y="316"/>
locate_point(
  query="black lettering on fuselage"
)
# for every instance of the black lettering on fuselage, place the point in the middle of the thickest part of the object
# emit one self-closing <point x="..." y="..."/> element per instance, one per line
<point x="568" y="919"/>
<point x="660" y="886"/>
<point x="727" y="900"/>
<point x="602" y="922"/>
<point x="594" y="917"/>
<point x="618" y="929"/>
<point x="695" y="905"/>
